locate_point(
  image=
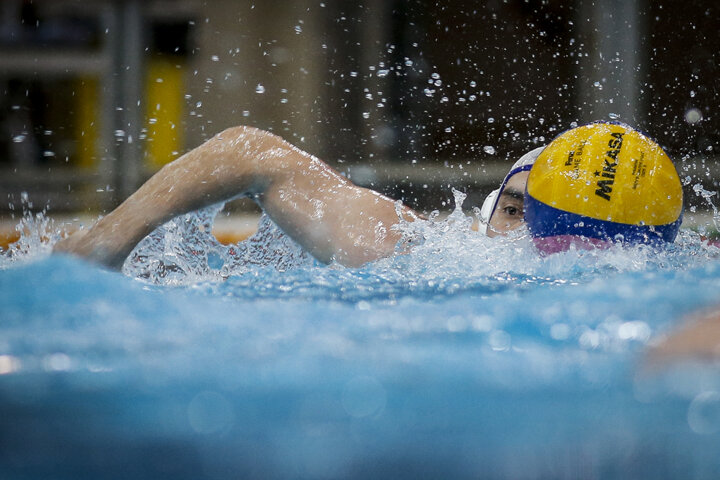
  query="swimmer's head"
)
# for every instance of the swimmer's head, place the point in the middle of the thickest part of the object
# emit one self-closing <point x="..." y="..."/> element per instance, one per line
<point x="602" y="183"/>
<point x="503" y="209"/>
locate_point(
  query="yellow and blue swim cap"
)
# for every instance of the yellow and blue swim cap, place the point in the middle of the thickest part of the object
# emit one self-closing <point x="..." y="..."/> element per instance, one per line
<point x="602" y="183"/>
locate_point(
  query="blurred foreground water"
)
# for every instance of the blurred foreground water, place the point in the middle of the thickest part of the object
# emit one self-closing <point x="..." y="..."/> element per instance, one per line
<point x="467" y="358"/>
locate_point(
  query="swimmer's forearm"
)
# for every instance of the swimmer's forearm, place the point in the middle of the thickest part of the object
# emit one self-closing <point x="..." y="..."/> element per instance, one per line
<point x="228" y="165"/>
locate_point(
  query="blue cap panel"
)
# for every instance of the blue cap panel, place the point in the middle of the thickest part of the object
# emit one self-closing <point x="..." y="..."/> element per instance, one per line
<point x="546" y="221"/>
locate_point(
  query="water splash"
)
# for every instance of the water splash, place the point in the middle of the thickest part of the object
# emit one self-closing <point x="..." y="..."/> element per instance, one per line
<point x="440" y="255"/>
<point x="38" y="233"/>
<point x="184" y="251"/>
<point x="707" y="195"/>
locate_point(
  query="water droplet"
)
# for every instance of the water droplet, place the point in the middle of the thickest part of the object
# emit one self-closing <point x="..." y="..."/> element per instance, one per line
<point x="490" y="150"/>
<point x="260" y="88"/>
<point x="693" y="116"/>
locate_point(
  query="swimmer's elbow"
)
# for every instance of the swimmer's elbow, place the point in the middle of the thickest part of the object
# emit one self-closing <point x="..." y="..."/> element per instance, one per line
<point x="240" y="131"/>
<point x="248" y="135"/>
<point x="255" y="147"/>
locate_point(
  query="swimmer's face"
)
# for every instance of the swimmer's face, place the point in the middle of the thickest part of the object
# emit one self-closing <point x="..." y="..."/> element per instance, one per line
<point x="508" y="214"/>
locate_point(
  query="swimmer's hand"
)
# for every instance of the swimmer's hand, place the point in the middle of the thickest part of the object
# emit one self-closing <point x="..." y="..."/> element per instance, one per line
<point x="698" y="339"/>
<point x="93" y="246"/>
<point x="72" y="244"/>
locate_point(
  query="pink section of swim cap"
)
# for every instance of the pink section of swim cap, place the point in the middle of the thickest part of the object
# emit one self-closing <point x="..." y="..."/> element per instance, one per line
<point x="561" y="243"/>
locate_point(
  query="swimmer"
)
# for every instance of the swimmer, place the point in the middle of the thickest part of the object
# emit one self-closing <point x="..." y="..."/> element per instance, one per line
<point x="338" y="221"/>
<point x="335" y="220"/>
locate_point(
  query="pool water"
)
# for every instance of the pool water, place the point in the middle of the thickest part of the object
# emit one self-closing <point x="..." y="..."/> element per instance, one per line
<point x="468" y="357"/>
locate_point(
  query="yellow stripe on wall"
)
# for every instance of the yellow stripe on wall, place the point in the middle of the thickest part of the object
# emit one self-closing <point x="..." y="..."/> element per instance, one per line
<point x="165" y="88"/>
<point x="86" y="121"/>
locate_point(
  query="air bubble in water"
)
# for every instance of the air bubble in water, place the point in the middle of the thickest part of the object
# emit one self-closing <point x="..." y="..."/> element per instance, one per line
<point x="490" y="150"/>
<point x="260" y="88"/>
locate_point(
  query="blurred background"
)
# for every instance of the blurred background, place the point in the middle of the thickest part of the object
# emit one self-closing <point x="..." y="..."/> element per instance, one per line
<point x="409" y="97"/>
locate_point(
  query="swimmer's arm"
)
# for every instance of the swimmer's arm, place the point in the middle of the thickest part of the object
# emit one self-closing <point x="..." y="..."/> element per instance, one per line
<point x="324" y="212"/>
